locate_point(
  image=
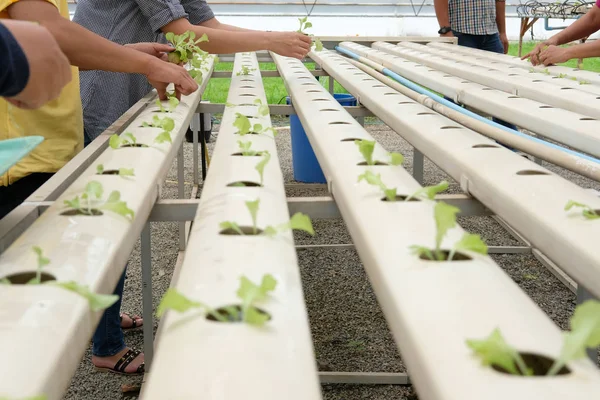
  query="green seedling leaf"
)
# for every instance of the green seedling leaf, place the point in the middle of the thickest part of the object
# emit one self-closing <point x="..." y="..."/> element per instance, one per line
<point x="73" y="203"/>
<point x="41" y="263"/>
<point x="422" y="251"/>
<point x="4" y="281"/>
<point x="242" y="123"/>
<point x="429" y="192"/>
<point x="96" y="301"/>
<point x="245" y="148"/>
<point x="163" y="137"/>
<point x="228" y="104"/>
<point x="390" y="194"/>
<point x="318" y="45"/>
<point x="115" y="141"/>
<point x="270" y="129"/>
<point x="245" y="71"/>
<point x="254" y="317"/>
<point x="99" y="169"/>
<point x="117" y="206"/>
<point x="231" y="225"/>
<point x="366" y="148"/>
<point x="301" y="222"/>
<point x="174" y="300"/>
<point x="173" y="103"/>
<point x="372" y="179"/>
<point x="253" y="208"/>
<point x="587" y="211"/>
<point x="250" y="294"/>
<point x="263" y="109"/>
<point x="258" y="128"/>
<point x="585" y="333"/>
<point x="132" y="139"/>
<point x="94" y="188"/>
<point x="445" y="219"/>
<point x="494" y="350"/>
<point x="126" y="172"/>
<point x="159" y="103"/>
<point x="396" y="158"/>
<point x="270" y="231"/>
<point x="40" y="397"/>
<point x="260" y="167"/>
<point x="471" y="242"/>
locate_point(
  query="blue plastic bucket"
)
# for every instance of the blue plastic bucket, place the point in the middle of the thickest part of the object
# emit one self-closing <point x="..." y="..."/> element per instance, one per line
<point x="304" y="162"/>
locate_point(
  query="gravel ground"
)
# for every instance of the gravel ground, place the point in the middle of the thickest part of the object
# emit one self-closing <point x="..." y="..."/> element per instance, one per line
<point x="348" y="328"/>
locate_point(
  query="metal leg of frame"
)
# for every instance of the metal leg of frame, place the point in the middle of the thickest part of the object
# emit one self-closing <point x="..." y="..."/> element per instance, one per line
<point x="418" y="161"/>
<point x="361" y="121"/>
<point x="582" y="296"/>
<point x="331" y="84"/>
<point x="181" y="193"/>
<point x="365" y="378"/>
<point x="195" y="127"/>
<point x="203" y="147"/>
<point x="148" y="326"/>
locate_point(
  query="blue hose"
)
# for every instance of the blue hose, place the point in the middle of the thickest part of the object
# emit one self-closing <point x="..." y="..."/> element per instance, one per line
<point x="411" y="85"/>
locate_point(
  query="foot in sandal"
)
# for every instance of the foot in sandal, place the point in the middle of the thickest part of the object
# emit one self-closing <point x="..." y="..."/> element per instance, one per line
<point x="131" y="322"/>
<point x="125" y="362"/>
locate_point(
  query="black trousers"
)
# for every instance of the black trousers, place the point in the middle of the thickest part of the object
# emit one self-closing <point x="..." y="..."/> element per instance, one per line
<point x="13" y="195"/>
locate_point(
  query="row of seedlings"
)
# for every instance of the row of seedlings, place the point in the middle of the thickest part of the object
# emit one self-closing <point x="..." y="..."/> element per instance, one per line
<point x="235" y="324"/>
<point x="464" y="328"/>
<point x="562" y="97"/>
<point x="56" y="276"/>
<point x="555" y="70"/>
<point x="563" y="126"/>
<point x="535" y="201"/>
<point x="509" y="71"/>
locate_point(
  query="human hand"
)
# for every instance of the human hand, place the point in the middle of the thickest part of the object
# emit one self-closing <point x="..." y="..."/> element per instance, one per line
<point x="161" y="73"/>
<point x="504" y="41"/>
<point x="159" y="50"/>
<point x="533" y="55"/>
<point x="289" y="44"/>
<point x="49" y="68"/>
<point x="554" y="55"/>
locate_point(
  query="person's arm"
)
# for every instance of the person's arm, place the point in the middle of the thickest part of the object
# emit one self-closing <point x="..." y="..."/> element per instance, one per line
<point x="501" y="23"/>
<point x="33" y="69"/>
<point x="216" y="24"/>
<point x="581" y="28"/>
<point x="220" y="41"/>
<point x="89" y="51"/>
<point x="443" y="15"/>
<point x="555" y="55"/>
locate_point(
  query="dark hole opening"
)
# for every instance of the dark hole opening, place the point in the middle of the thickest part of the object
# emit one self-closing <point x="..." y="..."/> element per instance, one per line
<point x="351" y="139"/>
<point x="233" y="313"/>
<point x="135" y="145"/>
<point x="247" y="230"/>
<point x="94" y="212"/>
<point x="531" y="172"/>
<point x="110" y="172"/>
<point x="258" y="154"/>
<point x="485" y="146"/>
<point x="244" y="184"/>
<point x="340" y="123"/>
<point x="458" y="256"/>
<point x="538" y="363"/>
<point x="376" y="163"/>
<point x="21" y="278"/>
<point x="400" y="197"/>
<point x="451" y="127"/>
<point x="329" y="109"/>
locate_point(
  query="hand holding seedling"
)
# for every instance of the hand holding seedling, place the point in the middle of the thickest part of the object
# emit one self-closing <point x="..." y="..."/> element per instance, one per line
<point x="554" y="55"/>
<point x="533" y="55"/>
<point x="289" y="44"/>
<point x="160" y="74"/>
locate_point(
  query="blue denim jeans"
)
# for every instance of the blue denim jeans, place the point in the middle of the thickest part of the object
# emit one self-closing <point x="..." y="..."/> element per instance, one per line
<point x="108" y="339"/>
<point x="489" y="43"/>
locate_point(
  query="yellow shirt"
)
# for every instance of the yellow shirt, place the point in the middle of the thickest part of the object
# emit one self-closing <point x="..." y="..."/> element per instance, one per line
<point x="60" y="122"/>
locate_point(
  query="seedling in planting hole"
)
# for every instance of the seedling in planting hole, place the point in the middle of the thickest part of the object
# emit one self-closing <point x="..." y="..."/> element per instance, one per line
<point x="584" y="82"/>
<point x="366" y="148"/>
<point x="445" y="219"/>
<point x="185" y="46"/>
<point x="561" y="75"/>
<point x="242" y="123"/>
<point x="246" y="151"/>
<point x="127" y="140"/>
<point x="91" y="200"/>
<point x="245" y="71"/>
<point x="429" y="192"/>
<point x="165" y="123"/>
<point x="173" y="103"/>
<point x="260" y="167"/>
<point x="304" y="24"/>
<point x="163" y="137"/>
<point x="546" y="71"/>
<point x="584" y="334"/>
<point x="122" y="172"/>
<point x="298" y="221"/>
<point x="587" y="211"/>
<point x="249" y="293"/>
<point x="263" y="109"/>
<point x="96" y="301"/>
<point x="375" y="180"/>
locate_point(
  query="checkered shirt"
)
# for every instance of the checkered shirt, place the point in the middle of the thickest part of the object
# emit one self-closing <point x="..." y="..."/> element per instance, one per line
<point x="473" y="17"/>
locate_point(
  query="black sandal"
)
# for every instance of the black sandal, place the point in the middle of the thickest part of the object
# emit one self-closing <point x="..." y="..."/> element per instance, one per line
<point x="134" y="325"/>
<point x="120" y="366"/>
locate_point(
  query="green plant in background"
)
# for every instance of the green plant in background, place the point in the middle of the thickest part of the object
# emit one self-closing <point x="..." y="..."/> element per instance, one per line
<point x="587" y="211"/>
<point x="91" y="199"/>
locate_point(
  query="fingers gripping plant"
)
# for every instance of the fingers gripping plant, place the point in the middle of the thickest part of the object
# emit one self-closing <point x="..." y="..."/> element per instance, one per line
<point x="445" y="219"/>
<point x="90" y="202"/>
<point x="185" y="46"/>
<point x="96" y="301"/>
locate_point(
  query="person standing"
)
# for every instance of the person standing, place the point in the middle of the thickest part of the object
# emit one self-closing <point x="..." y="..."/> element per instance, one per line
<point x="479" y="24"/>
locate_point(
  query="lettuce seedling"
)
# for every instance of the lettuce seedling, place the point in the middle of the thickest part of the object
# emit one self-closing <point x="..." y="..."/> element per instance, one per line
<point x="563" y="75"/>
<point x="587" y="211"/>
<point x="127" y="139"/>
<point x="263" y="109"/>
<point x="185" y="46"/>
<point x="122" y="172"/>
<point x="445" y="219"/>
<point x="40" y="397"/>
<point x="318" y="45"/>
<point x="245" y="71"/>
<point x="260" y="167"/>
<point x="246" y="151"/>
<point x="304" y="24"/>
<point x="173" y="103"/>
<point x="298" y="221"/>
<point x="96" y="301"/>
<point x="92" y="199"/>
<point x="494" y="350"/>
<point x="429" y="192"/>
<point x="366" y="148"/>
<point x="166" y="123"/>
<point x="242" y="123"/>
<point x="375" y="180"/>
<point x="163" y="137"/>
<point x="584" y="82"/>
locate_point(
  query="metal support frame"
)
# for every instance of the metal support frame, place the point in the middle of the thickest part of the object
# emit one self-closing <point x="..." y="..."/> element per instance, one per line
<point x="418" y="162"/>
<point x="365" y="378"/>
<point x="280" y="109"/>
<point x="582" y="296"/>
<point x="146" y="257"/>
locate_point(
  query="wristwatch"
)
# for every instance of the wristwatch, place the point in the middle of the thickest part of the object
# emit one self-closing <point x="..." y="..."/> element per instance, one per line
<point x="444" y="30"/>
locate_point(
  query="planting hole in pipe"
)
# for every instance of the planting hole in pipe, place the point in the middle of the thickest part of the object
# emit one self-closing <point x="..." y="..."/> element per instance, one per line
<point x="531" y="172"/>
<point x="246" y="230"/>
<point x="248" y="95"/>
<point x="458" y="256"/>
<point x="546" y="107"/>
<point x="406" y="102"/>
<point x="21" y="278"/>
<point x="351" y="139"/>
<point x="400" y="197"/>
<point x="110" y="172"/>
<point x="246" y="87"/>
<point x="320" y="99"/>
<point x="426" y="113"/>
<point x="246" y="80"/>
<point x="537" y="80"/>
<point x="566" y="88"/>
<point x="134" y="145"/>
<point x="329" y="109"/>
<point x="587" y="119"/>
<point x="391" y="94"/>
<point x="538" y="363"/>
<point x="94" y="212"/>
<point x="485" y="146"/>
<point x="377" y="163"/>
<point x="451" y="127"/>
<point x="258" y="154"/>
<point x="244" y="184"/>
<point x="487" y="88"/>
<point x="379" y="86"/>
<point x="247" y="105"/>
<point x="233" y="313"/>
<point x="512" y="97"/>
<point x="340" y="123"/>
<point x="313" y="91"/>
<point x="309" y="84"/>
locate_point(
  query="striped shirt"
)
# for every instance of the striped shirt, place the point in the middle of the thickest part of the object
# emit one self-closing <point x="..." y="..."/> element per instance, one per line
<point x="108" y="95"/>
<point x="473" y="17"/>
